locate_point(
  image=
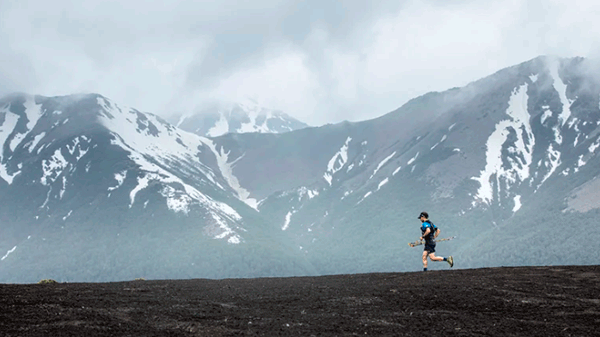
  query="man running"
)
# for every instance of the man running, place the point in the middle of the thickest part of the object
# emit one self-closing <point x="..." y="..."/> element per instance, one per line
<point x="429" y="234"/>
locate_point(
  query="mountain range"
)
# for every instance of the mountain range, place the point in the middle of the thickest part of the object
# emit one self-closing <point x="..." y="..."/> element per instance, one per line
<point x="94" y="191"/>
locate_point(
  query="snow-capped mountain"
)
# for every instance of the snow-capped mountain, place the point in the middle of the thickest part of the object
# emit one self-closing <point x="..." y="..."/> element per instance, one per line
<point x="505" y="163"/>
<point x="244" y="117"/>
<point x="161" y="153"/>
<point x="83" y="170"/>
<point x="508" y="164"/>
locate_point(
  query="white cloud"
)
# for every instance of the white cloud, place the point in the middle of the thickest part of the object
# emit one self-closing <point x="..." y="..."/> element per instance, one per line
<point x="318" y="61"/>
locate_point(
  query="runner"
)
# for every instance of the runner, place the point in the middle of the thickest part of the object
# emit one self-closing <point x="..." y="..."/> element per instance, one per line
<point x="428" y="233"/>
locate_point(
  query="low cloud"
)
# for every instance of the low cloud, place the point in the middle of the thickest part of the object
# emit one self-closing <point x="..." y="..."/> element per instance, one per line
<point x="318" y="61"/>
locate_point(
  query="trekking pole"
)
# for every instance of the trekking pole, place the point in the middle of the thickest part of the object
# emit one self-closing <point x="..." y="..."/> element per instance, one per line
<point x="420" y="242"/>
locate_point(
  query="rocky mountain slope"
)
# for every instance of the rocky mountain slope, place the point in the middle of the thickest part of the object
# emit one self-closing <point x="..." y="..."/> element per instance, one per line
<point x="508" y="164"/>
<point x="88" y="185"/>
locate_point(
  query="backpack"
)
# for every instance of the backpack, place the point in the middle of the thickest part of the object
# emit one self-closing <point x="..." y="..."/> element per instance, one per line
<point x="432" y="231"/>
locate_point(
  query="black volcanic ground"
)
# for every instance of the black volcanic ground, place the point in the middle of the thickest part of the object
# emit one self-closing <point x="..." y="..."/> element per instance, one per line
<point x="521" y="301"/>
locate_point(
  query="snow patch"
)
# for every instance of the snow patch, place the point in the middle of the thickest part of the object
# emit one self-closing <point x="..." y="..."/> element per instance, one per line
<point x="68" y="215"/>
<point x="396" y="170"/>
<point x="337" y="161"/>
<point x="576" y="140"/>
<point x="142" y="183"/>
<point x="303" y="191"/>
<point x="561" y="88"/>
<point x="33" y="112"/>
<point x="580" y="163"/>
<point x="226" y="169"/>
<point x="234" y="238"/>
<point x="381" y="163"/>
<point x="16" y="140"/>
<point x="221" y="127"/>
<point x="36" y="141"/>
<point x="253" y="111"/>
<point x="347" y="193"/>
<point x="547" y="113"/>
<point x="76" y="146"/>
<point x="8" y="253"/>
<point x="53" y="167"/>
<point x="517" y="200"/>
<point x="364" y="197"/>
<point x="383" y="182"/>
<point x="119" y="177"/>
<point x="288" y="218"/>
<point x="519" y="122"/>
<point x="594" y="146"/>
<point x="412" y="159"/>
<point x="10" y="121"/>
<point x="533" y="77"/>
<point x="436" y="144"/>
<point x="63" y="188"/>
<point x="177" y="201"/>
<point x="557" y="135"/>
<point x="553" y="161"/>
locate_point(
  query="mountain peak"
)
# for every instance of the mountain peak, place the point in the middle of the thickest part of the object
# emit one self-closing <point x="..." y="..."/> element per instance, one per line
<point x="244" y="116"/>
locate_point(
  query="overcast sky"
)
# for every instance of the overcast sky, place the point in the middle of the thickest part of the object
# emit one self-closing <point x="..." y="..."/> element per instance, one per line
<point x="320" y="61"/>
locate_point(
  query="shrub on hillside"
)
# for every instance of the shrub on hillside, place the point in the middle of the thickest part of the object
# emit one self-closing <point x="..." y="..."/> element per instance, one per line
<point x="47" y="281"/>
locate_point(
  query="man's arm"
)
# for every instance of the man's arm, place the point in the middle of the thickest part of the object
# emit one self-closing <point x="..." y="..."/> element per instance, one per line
<point x="426" y="232"/>
<point x="437" y="232"/>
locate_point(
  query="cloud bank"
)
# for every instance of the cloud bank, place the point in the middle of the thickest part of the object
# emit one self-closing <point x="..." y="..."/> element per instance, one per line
<point x="319" y="61"/>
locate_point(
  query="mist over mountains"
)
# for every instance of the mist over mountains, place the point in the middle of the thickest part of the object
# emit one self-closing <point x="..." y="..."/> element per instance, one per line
<point x="245" y="117"/>
<point x="94" y="191"/>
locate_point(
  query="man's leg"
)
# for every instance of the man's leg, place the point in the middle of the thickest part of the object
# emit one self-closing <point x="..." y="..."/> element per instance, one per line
<point x="427" y="250"/>
<point x="450" y="260"/>
<point x="436" y="258"/>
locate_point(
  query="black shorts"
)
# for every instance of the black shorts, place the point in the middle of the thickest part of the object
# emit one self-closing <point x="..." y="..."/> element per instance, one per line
<point x="429" y="247"/>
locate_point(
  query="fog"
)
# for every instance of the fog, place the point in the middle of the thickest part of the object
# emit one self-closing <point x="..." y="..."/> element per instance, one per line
<point x="319" y="61"/>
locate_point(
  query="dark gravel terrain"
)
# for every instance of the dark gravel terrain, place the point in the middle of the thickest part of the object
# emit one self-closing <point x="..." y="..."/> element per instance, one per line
<point x="508" y="301"/>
